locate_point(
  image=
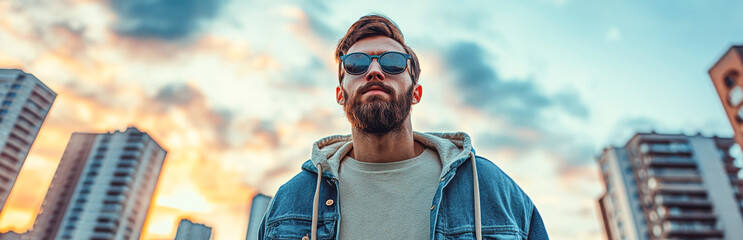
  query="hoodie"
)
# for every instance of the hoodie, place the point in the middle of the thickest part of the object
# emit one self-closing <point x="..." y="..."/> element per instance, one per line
<point x="474" y="199"/>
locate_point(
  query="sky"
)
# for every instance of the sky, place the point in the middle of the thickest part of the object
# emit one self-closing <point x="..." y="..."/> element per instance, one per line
<point x="237" y="91"/>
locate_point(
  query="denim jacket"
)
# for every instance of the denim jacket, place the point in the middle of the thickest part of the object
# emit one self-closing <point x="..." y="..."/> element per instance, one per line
<point x="505" y="211"/>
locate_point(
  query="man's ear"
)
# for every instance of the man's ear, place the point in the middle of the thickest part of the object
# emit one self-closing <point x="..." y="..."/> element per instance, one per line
<point x="339" y="95"/>
<point x="417" y="93"/>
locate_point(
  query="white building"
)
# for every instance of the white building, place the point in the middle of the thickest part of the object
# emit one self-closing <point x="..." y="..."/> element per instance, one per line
<point x="102" y="188"/>
<point x="671" y="186"/>
<point x="25" y="102"/>
<point x="188" y="230"/>
<point x="257" y="210"/>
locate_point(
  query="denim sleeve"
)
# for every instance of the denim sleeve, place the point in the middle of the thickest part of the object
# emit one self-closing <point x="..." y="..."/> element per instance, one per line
<point x="536" y="227"/>
<point x="262" y="228"/>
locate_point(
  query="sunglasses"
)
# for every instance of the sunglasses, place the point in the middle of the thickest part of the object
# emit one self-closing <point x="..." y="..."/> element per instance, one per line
<point x="390" y="62"/>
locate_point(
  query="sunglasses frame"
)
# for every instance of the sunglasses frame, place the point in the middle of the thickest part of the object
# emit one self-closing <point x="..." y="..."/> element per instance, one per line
<point x="372" y="57"/>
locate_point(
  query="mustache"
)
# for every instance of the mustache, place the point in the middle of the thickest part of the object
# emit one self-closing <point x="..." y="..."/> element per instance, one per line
<point x="385" y="88"/>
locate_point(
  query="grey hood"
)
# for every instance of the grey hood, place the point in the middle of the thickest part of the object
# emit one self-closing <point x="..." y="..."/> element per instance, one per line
<point x="329" y="151"/>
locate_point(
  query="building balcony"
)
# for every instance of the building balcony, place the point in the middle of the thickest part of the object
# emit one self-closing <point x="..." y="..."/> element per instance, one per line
<point x="692" y="233"/>
<point x="678" y="187"/>
<point x="39" y="103"/>
<point x="102" y="236"/>
<point x="124" y="171"/>
<point x="105" y="227"/>
<point x="43" y="95"/>
<point x="34" y="113"/>
<point x="19" y="141"/>
<point x="691" y="216"/>
<point x="110" y="215"/>
<point x="675" y="148"/>
<point x="9" y="161"/>
<point x="121" y="180"/>
<point x="119" y="189"/>
<point x="669" y="161"/>
<point x="131" y="155"/>
<point x="27" y="118"/>
<point x="25" y="126"/>
<point x="676" y="175"/>
<point x="683" y="202"/>
<point x="120" y="199"/>
<point x="113" y="208"/>
<point x="134" y="146"/>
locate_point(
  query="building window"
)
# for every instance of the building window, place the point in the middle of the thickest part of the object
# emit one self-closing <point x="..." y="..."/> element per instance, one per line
<point x="730" y="79"/>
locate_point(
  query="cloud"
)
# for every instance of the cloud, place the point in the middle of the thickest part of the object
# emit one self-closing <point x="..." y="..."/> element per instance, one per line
<point x="163" y="19"/>
<point x="571" y="103"/>
<point x="522" y="108"/>
<point x="315" y="11"/>
<point x="519" y="101"/>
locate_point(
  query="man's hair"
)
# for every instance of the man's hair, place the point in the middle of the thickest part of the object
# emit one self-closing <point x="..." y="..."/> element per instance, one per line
<point x="370" y="26"/>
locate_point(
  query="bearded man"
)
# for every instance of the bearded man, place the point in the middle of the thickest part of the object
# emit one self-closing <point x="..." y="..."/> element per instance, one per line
<point x="386" y="181"/>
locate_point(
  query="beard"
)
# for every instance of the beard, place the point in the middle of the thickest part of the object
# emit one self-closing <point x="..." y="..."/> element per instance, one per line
<point x="378" y="116"/>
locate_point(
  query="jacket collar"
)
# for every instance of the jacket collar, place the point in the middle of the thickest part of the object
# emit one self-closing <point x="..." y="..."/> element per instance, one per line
<point x="453" y="149"/>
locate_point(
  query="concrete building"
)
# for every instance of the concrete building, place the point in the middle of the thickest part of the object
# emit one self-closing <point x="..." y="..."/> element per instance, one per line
<point x="188" y="230"/>
<point x="102" y="188"/>
<point x="257" y="210"/>
<point x="25" y="104"/>
<point x="671" y="186"/>
<point x="10" y="235"/>
<point x="727" y="77"/>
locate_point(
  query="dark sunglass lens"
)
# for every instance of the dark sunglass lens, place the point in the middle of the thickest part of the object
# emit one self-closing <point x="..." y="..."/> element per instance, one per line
<point x="356" y="63"/>
<point x="393" y="62"/>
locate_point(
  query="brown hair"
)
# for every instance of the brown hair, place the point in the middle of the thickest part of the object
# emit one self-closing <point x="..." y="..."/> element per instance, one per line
<point x="370" y="26"/>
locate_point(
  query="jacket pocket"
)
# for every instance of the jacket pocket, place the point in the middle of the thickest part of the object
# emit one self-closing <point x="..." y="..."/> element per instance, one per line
<point x="296" y="227"/>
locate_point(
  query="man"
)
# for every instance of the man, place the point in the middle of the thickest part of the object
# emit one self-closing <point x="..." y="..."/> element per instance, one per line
<point x="385" y="181"/>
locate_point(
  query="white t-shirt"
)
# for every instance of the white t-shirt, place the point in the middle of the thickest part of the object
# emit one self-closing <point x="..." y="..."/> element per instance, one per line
<point x="388" y="200"/>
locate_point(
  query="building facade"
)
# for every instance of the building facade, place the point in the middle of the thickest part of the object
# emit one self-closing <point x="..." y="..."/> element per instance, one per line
<point x="102" y="188"/>
<point x="257" y="209"/>
<point x="727" y="77"/>
<point x="671" y="186"/>
<point x="25" y="104"/>
<point x="10" y="235"/>
<point x="188" y="230"/>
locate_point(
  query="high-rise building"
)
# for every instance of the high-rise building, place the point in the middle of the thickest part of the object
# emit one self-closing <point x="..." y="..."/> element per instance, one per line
<point x="25" y="104"/>
<point x="10" y="235"/>
<point x="102" y="188"/>
<point x="671" y="186"/>
<point x="188" y="230"/>
<point x="257" y="209"/>
<point x="727" y="77"/>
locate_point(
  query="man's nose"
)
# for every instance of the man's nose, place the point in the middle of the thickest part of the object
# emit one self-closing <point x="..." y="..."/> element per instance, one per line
<point x="375" y="71"/>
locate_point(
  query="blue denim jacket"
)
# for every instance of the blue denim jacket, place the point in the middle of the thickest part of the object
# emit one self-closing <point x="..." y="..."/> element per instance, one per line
<point x="506" y="211"/>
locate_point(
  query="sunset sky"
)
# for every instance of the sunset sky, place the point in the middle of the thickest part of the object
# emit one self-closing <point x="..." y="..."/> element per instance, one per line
<point x="237" y="91"/>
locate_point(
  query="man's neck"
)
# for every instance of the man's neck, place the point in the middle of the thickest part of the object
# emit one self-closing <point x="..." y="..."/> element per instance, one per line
<point x="390" y="147"/>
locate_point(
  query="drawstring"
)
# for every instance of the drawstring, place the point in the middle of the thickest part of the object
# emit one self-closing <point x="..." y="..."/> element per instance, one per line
<point x="476" y="186"/>
<point x="313" y="234"/>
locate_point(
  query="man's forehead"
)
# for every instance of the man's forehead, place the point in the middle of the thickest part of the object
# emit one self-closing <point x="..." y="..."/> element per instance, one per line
<point x="376" y="45"/>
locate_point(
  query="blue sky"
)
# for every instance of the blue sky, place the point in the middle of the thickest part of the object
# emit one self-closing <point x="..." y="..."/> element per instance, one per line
<point x="240" y="89"/>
